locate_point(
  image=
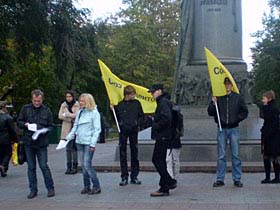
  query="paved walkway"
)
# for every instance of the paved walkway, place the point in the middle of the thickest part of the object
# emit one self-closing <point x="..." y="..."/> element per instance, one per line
<point x="194" y="191"/>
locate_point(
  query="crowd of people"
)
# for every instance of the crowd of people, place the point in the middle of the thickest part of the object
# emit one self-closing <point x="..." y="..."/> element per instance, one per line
<point x="82" y="126"/>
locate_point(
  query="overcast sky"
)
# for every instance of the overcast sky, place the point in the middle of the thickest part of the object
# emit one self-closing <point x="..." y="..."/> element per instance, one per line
<point x="252" y="12"/>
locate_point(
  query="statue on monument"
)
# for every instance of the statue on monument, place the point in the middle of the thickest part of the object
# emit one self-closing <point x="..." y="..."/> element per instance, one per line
<point x="201" y="23"/>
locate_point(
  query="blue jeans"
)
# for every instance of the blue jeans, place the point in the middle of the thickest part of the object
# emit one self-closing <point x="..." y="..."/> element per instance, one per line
<point x="42" y="156"/>
<point x="233" y="135"/>
<point x="85" y="156"/>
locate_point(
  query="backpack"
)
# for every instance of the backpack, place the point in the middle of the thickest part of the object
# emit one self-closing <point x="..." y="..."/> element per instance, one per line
<point x="177" y="122"/>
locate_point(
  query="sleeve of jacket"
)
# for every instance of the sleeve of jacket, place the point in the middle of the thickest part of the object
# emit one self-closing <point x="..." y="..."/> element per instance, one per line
<point x="211" y="109"/>
<point x="96" y="128"/>
<point x="21" y="118"/>
<point x="163" y="119"/>
<point x="50" y="119"/>
<point x="243" y="110"/>
<point x="12" y="130"/>
<point x="141" y="116"/>
<point x="60" y="113"/>
<point x="71" y="135"/>
<point x="75" y="110"/>
<point x="275" y="121"/>
<point x="64" y="118"/>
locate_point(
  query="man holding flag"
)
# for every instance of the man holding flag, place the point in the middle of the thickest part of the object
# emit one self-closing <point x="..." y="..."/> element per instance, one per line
<point x="229" y="109"/>
<point x="232" y="110"/>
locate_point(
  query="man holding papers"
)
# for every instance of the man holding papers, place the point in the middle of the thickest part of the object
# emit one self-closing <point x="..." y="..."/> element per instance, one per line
<point x="36" y="119"/>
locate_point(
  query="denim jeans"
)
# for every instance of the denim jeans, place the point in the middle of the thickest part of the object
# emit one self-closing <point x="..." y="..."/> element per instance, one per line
<point x="233" y="135"/>
<point x="42" y="156"/>
<point x="85" y="157"/>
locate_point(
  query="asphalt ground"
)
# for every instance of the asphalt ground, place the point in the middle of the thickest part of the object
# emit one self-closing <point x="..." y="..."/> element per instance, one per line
<point x="194" y="191"/>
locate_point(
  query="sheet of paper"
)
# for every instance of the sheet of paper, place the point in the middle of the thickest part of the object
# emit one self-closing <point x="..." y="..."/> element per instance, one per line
<point x="62" y="144"/>
<point x="38" y="132"/>
<point x="32" y="126"/>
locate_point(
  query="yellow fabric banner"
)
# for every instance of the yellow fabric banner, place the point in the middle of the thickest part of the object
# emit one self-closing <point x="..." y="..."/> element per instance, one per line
<point x="115" y="86"/>
<point x="15" y="154"/>
<point x="218" y="73"/>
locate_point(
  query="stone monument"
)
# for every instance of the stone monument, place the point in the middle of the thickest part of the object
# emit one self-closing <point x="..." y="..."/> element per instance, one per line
<point x="217" y="25"/>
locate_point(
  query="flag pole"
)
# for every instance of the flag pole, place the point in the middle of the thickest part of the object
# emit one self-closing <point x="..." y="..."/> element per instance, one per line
<point x="218" y="115"/>
<point x="115" y="116"/>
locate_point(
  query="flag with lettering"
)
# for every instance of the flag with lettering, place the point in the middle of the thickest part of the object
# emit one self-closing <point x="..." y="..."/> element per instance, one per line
<point x="115" y="87"/>
<point x="218" y="73"/>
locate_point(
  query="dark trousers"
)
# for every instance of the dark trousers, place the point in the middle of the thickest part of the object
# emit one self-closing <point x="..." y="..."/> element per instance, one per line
<point x="133" y="143"/>
<point x="42" y="156"/>
<point x="72" y="155"/>
<point x="159" y="161"/>
<point x="5" y="155"/>
<point x="267" y="168"/>
<point x="102" y="136"/>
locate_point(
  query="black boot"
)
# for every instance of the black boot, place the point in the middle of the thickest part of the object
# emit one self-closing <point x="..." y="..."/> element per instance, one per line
<point x="276" y="168"/>
<point x="69" y="168"/>
<point x="267" y="168"/>
<point x="75" y="168"/>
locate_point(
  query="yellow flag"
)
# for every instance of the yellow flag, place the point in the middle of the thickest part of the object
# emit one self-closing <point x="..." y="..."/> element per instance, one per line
<point x="115" y="86"/>
<point x="15" y="154"/>
<point x="218" y="73"/>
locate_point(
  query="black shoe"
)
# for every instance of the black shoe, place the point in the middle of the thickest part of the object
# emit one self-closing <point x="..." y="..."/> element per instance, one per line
<point x="74" y="171"/>
<point x="94" y="191"/>
<point x="159" y="193"/>
<point x="265" y="181"/>
<point x="68" y="171"/>
<point x="32" y="195"/>
<point x="174" y="185"/>
<point x="135" y="181"/>
<point x="124" y="182"/>
<point x="51" y="193"/>
<point x="2" y="171"/>
<point x="86" y="190"/>
<point x="275" y="181"/>
<point x="238" y="184"/>
<point x="218" y="183"/>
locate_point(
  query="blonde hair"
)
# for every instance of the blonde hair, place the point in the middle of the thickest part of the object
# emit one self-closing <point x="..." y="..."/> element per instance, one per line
<point x="90" y="103"/>
<point x="269" y="94"/>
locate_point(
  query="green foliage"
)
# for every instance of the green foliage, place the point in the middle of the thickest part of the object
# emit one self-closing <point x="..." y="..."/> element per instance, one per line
<point x="140" y="42"/>
<point x="48" y="45"/>
<point x="266" y="54"/>
<point x="53" y="46"/>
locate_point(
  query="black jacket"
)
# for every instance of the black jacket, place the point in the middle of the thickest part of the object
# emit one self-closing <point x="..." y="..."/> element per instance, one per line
<point x="270" y="130"/>
<point x="42" y="116"/>
<point x="232" y="110"/>
<point x="161" y="126"/>
<point x="7" y="129"/>
<point x="130" y="115"/>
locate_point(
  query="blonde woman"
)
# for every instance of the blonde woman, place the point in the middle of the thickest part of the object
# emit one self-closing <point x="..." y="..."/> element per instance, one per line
<point x="86" y="129"/>
<point x="67" y="113"/>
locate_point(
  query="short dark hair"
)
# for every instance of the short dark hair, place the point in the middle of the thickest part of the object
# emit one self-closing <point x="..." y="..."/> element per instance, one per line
<point x="37" y="93"/>
<point x="227" y="80"/>
<point x="128" y="90"/>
